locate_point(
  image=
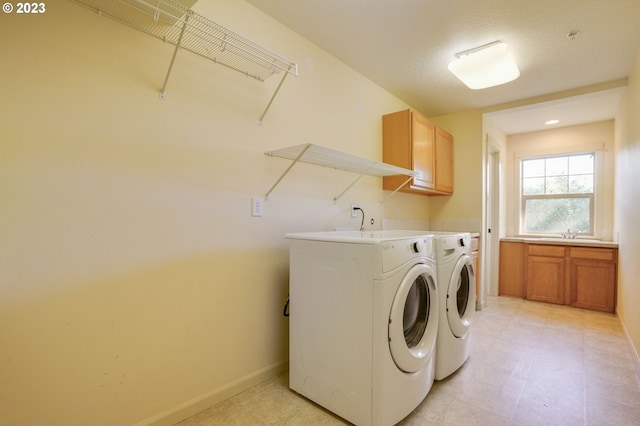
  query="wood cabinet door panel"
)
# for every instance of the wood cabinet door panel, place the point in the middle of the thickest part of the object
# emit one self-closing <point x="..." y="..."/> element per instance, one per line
<point x="444" y="161"/>
<point x="593" y="284"/>
<point x="545" y="279"/>
<point x="396" y="147"/>
<point x="423" y="158"/>
<point x="511" y="272"/>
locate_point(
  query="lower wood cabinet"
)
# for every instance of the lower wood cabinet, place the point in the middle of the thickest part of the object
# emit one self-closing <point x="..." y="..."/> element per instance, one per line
<point x="545" y="279"/>
<point x="511" y="269"/>
<point x="592" y="272"/>
<point x="584" y="277"/>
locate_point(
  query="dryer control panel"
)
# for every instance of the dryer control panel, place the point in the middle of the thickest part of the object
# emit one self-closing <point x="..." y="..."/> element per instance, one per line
<point x="396" y="253"/>
<point x="452" y="244"/>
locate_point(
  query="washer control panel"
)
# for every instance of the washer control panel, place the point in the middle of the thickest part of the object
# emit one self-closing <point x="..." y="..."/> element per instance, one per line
<point x="418" y="247"/>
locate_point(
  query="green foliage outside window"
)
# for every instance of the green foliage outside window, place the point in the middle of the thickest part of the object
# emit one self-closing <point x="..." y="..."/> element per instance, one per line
<point x="556" y="215"/>
<point x="557" y="194"/>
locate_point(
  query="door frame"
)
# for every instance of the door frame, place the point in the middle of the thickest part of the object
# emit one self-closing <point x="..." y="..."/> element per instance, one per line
<point x="491" y="206"/>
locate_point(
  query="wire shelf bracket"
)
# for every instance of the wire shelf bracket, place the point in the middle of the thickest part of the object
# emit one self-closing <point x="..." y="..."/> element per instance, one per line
<point x="321" y="156"/>
<point x="174" y="22"/>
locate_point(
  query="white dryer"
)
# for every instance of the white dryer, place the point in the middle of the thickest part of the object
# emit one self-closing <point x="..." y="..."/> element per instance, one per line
<point x="363" y="322"/>
<point x="457" y="295"/>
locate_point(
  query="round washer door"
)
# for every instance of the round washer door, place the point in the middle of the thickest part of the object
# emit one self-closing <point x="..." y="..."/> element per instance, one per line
<point x="413" y="321"/>
<point x="461" y="296"/>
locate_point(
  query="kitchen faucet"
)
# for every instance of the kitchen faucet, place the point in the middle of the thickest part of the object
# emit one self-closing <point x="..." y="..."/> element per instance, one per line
<point x="569" y="234"/>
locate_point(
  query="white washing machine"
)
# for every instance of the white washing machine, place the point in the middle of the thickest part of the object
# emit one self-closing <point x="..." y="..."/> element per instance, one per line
<point x="457" y="295"/>
<point x="363" y="322"/>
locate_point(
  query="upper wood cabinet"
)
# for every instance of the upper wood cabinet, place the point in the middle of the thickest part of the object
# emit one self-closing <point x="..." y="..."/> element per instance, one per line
<point x="411" y="141"/>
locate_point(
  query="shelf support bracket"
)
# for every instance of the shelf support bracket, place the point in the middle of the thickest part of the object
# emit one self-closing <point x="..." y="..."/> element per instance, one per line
<point x="396" y="190"/>
<point x="287" y="171"/>
<point x="347" y="188"/>
<point x="274" y="95"/>
<point x="173" y="58"/>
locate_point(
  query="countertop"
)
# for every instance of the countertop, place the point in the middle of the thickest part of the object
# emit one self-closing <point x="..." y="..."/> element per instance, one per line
<point x="562" y="241"/>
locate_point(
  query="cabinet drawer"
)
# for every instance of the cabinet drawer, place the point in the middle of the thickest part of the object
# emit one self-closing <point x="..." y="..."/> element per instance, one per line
<point x="592" y="253"/>
<point x="542" y="250"/>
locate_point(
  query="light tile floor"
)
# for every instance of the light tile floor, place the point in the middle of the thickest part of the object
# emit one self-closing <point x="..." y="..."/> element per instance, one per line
<point x="531" y="364"/>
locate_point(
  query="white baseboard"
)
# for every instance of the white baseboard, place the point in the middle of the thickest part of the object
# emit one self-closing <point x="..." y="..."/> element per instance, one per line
<point x="209" y="399"/>
<point x="636" y="362"/>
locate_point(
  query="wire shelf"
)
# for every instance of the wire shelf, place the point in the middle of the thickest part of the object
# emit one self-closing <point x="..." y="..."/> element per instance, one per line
<point x="173" y="22"/>
<point x="165" y="20"/>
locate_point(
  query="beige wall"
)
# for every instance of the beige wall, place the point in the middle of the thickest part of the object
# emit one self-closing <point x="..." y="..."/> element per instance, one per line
<point x="463" y="210"/>
<point x="597" y="136"/>
<point x="135" y="283"/>
<point x="627" y="205"/>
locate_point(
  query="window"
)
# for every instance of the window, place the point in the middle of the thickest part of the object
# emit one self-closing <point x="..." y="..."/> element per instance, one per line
<point x="558" y="194"/>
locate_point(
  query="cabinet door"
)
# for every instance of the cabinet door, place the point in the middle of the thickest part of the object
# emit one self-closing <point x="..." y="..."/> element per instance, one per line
<point x="444" y="161"/>
<point x="397" y="146"/>
<point x="545" y="279"/>
<point x="593" y="284"/>
<point x="423" y="158"/>
<point x="511" y="270"/>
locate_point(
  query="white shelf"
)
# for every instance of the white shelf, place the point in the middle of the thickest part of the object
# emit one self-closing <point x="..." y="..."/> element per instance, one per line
<point x="326" y="157"/>
<point x="173" y="22"/>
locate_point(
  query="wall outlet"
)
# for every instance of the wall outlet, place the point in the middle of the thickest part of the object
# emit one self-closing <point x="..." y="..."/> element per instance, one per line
<point x="353" y="210"/>
<point x="257" y="204"/>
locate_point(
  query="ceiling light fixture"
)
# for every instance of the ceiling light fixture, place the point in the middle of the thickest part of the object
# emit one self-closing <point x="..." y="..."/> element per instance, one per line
<point x="485" y="66"/>
<point x="550" y="122"/>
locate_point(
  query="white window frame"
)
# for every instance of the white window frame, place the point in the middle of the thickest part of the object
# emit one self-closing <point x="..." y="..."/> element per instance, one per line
<point x="595" y="206"/>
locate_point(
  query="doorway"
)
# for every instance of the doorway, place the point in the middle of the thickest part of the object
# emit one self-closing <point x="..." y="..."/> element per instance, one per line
<point x="491" y="221"/>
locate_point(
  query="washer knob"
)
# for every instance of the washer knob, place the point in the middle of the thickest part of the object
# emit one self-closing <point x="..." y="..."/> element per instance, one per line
<point x="417" y="247"/>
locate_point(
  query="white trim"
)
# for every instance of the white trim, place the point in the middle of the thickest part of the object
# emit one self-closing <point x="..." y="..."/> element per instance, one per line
<point x="634" y="350"/>
<point x="561" y="150"/>
<point x="598" y="197"/>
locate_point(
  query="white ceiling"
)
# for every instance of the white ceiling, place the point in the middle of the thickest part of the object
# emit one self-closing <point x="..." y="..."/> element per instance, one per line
<point x="569" y="111"/>
<point x="405" y="46"/>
